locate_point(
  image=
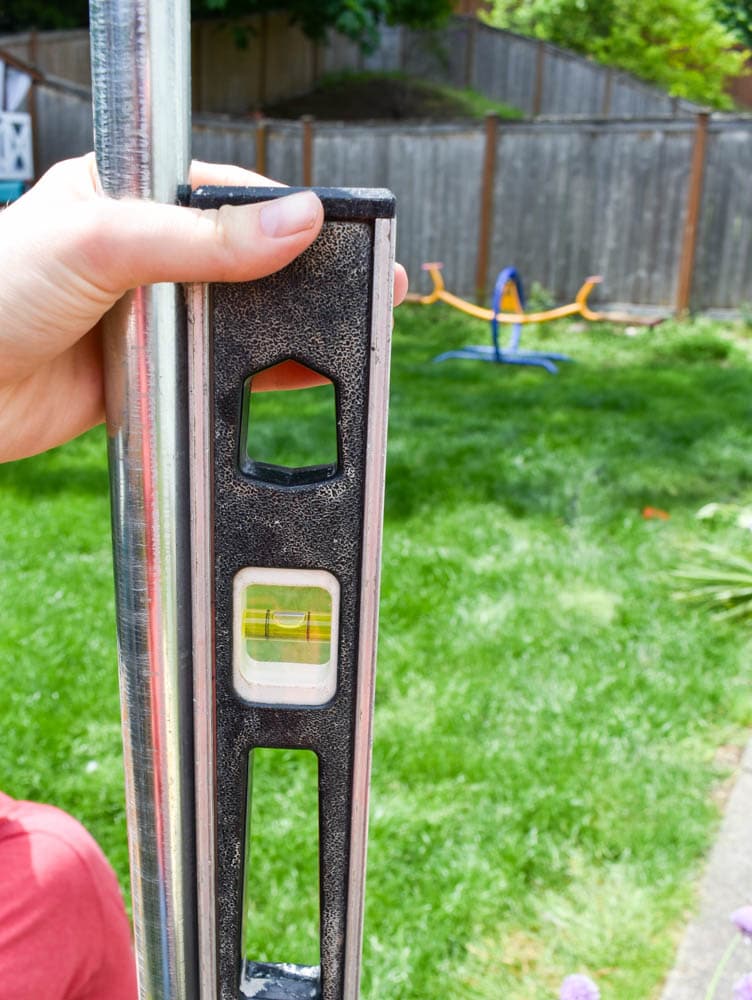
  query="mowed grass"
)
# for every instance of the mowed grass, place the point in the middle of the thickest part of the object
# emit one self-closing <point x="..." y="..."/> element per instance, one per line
<point x="548" y="717"/>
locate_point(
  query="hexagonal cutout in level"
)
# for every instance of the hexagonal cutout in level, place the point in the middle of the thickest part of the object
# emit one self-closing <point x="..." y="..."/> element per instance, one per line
<point x="288" y="427"/>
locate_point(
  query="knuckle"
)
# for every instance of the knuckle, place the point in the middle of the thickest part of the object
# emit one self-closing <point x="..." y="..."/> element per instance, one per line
<point x="216" y="232"/>
<point x="91" y="237"/>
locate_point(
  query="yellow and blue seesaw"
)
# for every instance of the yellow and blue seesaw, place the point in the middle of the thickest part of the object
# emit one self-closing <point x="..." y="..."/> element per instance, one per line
<point x="508" y="307"/>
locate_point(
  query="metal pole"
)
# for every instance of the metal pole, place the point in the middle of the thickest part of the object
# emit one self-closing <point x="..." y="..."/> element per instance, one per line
<point x="141" y="85"/>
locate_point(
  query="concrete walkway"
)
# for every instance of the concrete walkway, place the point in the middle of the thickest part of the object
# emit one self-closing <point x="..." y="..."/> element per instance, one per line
<point x="726" y="885"/>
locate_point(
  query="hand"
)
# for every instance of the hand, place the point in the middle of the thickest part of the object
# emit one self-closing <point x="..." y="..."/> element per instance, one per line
<point x="67" y="254"/>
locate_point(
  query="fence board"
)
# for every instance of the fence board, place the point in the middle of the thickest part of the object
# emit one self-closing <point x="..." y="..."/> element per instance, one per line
<point x="218" y="140"/>
<point x="341" y="54"/>
<point x="441" y="55"/>
<point x="59" y="53"/>
<point x="593" y="199"/>
<point x="386" y="58"/>
<point x="504" y="69"/>
<point x="571" y="86"/>
<point x="284" y="152"/>
<point x="63" y="126"/>
<point x="723" y="263"/>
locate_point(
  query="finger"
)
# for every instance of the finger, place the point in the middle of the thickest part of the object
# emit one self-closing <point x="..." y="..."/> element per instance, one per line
<point x="400" y="284"/>
<point x="135" y="243"/>
<point x="287" y="375"/>
<point x="230" y="175"/>
<point x="227" y="175"/>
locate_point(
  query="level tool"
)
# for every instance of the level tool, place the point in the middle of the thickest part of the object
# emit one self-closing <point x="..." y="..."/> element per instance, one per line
<point x="286" y="573"/>
<point x="246" y="565"/>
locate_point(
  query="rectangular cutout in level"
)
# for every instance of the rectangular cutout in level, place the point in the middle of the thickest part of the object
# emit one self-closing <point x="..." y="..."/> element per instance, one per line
<point x="288" y="436"/>
<point x="281" y="917"/>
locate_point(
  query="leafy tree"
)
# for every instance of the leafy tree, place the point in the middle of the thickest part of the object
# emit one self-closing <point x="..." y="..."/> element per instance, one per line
<point x="737" y="16"/>
<point x="572" y="24"/>
<point x="681" y="45"/>
<point x="358" y="19"/>
<point x="18" y="15"/>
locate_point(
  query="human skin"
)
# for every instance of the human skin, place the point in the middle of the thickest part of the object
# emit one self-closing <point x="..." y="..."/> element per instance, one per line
<point x="68" y="253"/>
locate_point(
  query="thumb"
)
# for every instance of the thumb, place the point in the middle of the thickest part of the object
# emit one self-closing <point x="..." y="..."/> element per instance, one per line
<point x="65" y="265"/>
<point x="140" y="243"/>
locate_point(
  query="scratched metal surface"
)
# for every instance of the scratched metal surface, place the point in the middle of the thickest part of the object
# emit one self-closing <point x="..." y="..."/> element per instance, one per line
<point x="142" y="125"/>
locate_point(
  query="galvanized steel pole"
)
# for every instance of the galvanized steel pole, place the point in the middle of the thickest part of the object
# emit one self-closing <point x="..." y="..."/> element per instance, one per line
<point x="141" y="77"/>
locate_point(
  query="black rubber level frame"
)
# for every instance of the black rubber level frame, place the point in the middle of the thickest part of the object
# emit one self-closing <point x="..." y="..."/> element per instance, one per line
<point x="316" y="311"/>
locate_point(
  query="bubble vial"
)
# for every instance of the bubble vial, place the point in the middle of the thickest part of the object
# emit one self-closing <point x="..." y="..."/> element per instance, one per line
<point x="285" y="636"/>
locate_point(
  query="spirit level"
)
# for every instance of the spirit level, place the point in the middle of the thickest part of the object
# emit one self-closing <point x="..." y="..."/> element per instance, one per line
<point x="286" y="576"/>
<point x="246" y="585"/>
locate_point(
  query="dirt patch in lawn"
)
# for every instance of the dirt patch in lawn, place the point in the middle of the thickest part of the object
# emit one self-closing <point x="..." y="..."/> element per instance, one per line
<point x="358" y="97"/>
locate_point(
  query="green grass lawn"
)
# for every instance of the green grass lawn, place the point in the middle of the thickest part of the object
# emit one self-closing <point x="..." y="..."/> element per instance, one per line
<point x="548" y="716"/>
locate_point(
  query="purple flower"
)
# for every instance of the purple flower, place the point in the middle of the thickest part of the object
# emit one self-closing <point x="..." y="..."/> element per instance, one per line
<point x="743" y="987"/>
<point x="579" y="987"/>
<point x="743" y="920"/>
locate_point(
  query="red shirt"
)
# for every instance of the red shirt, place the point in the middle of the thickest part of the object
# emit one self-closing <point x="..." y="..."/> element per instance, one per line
<point x="64" y="933"/>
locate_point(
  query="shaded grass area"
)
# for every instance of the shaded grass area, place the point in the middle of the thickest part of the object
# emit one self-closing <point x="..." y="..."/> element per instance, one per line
<point x="58" y="666"/>
<point x="547" y="716"/>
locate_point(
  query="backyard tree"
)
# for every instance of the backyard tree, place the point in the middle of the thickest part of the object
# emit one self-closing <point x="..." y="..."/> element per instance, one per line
<point x="359" y="19"/>
<point x="737" y="16"/>
<point x="683" y="45"/>
<point x="17" y="15"/>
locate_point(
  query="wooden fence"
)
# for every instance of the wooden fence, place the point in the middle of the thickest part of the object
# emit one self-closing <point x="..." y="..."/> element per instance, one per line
<point x="64" y="54"/>
<point x="532" y="75"/>
<point x="659" y="206"/>
<point x="277" y="61"/>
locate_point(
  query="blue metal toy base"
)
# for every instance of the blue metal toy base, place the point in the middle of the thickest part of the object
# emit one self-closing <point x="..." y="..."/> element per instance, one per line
<point x="512" y="355"/>
<point x="536" y="359"/>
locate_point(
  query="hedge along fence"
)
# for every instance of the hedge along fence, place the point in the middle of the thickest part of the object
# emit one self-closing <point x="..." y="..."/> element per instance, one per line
<point x="659" y="206"/>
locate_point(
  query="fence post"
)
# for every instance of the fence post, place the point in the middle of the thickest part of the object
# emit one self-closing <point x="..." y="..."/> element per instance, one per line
<point x="261" y="134"/>
<point x="485" y="227"/>
<point x="540" y="63"/>
<point x="307" y="138"/>
<point x="691" y="220"/>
